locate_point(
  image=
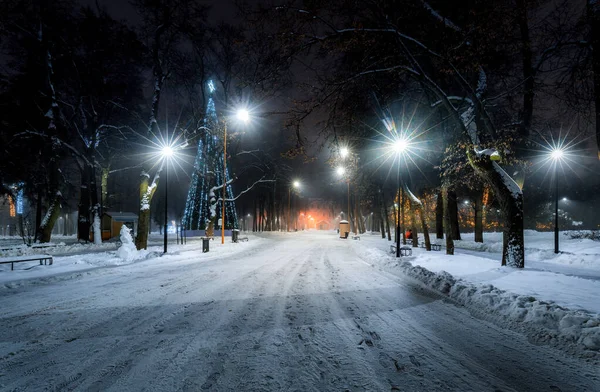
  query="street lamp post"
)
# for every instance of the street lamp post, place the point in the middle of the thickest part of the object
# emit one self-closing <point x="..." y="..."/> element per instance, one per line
<point x="344" y="152"/>
<point x="556" y="155"/>
<point x="167" y="153"/>
<point x="243" y="116"/>
<point x="295" y="184"/>
<point x="399" y="147"/>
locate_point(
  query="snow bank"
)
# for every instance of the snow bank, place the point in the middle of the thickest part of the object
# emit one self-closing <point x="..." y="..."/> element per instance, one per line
<point x="574" y="331"/>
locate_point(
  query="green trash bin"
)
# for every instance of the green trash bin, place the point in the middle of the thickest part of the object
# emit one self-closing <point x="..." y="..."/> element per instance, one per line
<point x="205" y="244"/>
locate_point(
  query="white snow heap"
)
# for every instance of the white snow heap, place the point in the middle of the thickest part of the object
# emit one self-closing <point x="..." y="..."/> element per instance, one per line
<point x="127" y="251"/>
<point x="97" y="229"/>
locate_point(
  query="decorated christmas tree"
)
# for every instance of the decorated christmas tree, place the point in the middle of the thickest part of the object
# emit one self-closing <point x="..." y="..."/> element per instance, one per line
<point x="204" y="202"/>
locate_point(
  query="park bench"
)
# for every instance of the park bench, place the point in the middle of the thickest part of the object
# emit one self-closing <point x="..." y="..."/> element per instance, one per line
<point x="436" y="247"/>
<point x="242" y="239"/>
<point x="43" y="259"/>
<point x="404" y="250"/>
<point x="356" y="237"/>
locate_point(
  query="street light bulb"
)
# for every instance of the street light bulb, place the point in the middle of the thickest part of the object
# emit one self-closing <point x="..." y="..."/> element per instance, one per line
<point x="344" y="152"/>
<point x="243" y="115"/>
<point x="340" y="171"/>
<point x="296" y="184"/>
<point x="400" y="145"/>
<point x="557" y="154"/>
<point x="167" y="151"/>
<point x="564" y="199"/>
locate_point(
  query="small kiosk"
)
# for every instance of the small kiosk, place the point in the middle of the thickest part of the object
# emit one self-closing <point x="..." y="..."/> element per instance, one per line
<point x="344" y="229"/>
<point x="112" y="222"/>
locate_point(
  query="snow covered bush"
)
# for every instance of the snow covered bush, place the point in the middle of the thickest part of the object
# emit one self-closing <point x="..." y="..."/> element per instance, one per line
<point x="593" y="235"/>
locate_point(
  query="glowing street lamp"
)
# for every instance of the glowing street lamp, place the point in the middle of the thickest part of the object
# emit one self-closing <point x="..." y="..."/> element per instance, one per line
<point x="243" y="116"/>
<point x="166" y="152"/>
<point x="344" y="152"/>
<point x="556" y="155"/>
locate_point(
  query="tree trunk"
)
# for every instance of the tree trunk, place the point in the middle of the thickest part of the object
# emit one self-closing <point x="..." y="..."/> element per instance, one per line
<point x="380" y="213"/>
<point x="38" y="214"/>
<point x="396" y="220"/>
<point x="83" y="209"/>
<point x="416" y="205"/>
<point x="50" y="219"/>
<point x="510" y="198"/>
<point x="478" y="208"/>
<point x="146" y="194"/>
<point x="402" y="222"/>
<point x="453" y="213"/>
<point x="104" y="188"/>
<point x="386" y="216"/>
<point x="415" y="233"/>
<point x="439" y="216"/>
<point x="593" y="10"/>
<point x="447" y="223"/>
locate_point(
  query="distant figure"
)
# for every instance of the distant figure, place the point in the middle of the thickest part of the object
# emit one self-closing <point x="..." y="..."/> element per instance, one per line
<point x="409" y="235"/>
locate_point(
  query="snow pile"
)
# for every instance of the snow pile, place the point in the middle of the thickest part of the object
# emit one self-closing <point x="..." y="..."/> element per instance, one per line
<point x="542" y="321"/>
<point x="97" y="229"/>
<point x="127" y="251"/>
<point x="57" y="249"/>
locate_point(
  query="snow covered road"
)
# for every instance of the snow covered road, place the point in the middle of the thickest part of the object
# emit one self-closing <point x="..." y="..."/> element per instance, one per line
<point x="301" y="313"/>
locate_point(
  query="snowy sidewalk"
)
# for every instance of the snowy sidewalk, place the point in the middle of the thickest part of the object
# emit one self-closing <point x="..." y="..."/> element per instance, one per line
<point x="558" y="293"/>
<point x="90" y="258"/>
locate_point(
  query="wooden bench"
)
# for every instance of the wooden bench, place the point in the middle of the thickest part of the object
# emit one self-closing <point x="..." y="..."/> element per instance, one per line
<point x="243" y="239"/>
<point x="436" y="247"/>
<point x="356" y="237"/>
<point x="43" y="259"/>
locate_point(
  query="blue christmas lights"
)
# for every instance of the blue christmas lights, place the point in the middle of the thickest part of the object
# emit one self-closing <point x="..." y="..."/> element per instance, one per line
<point x="208" y="173"/>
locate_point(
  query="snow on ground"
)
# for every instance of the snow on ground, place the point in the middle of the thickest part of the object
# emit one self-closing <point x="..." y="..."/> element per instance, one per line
<point x="555" y="298"/>
<point x="293" y="312"/>
<point x="75" y="259"/>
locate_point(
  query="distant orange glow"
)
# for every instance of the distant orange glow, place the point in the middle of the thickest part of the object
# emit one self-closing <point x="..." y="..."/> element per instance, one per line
<point x="11" y="207"/>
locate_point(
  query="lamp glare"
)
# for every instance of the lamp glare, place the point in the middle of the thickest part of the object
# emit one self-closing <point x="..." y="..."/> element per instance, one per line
<point x="243" y="115"/>
<point x="557" y="154"/>
<point x="400" y="145"/>
<point x="167" y="151"/>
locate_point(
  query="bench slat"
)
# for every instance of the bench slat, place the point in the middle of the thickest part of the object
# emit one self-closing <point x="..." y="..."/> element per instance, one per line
<point x="17" y="259"/>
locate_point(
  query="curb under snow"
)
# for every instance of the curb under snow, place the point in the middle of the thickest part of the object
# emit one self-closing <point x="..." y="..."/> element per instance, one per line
<point x="574" y="331"/>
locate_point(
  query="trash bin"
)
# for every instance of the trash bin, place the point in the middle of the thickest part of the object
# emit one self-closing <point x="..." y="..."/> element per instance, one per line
<point x="344" y="229"/>
<point x="205" y="244"/>
<point x="235" y="233"/>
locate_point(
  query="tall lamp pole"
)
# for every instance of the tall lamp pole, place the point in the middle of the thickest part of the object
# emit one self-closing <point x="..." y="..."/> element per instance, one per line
<point x="348" y="182"/>
<point x="167" y="152"/>
<point x="243" y="116"/>
<point x="223" y="214"/>
<point x="399" y="146"/>
<point x="555" y="211"/>
<point x="556" y="155"/>
<point x="398" y="211"/>
<point x="295" y="184"/>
